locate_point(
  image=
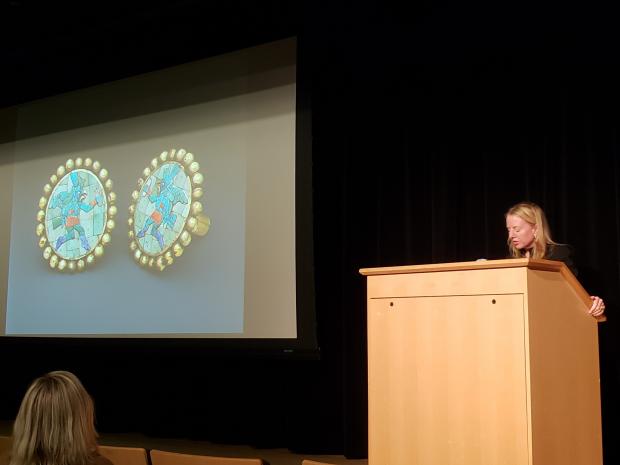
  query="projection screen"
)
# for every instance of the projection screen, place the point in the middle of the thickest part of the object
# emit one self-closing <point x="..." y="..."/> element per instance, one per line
<point x="163" y="205"/>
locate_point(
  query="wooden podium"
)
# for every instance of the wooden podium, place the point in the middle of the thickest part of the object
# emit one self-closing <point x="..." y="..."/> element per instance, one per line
<point x="482" y="363"/>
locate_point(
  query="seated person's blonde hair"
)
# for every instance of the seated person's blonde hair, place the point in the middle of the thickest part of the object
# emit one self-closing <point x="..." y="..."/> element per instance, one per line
<point x="55" y="424"/>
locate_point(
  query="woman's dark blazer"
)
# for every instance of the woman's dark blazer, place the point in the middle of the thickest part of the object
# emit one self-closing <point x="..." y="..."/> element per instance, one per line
<point x="562" y="253"/>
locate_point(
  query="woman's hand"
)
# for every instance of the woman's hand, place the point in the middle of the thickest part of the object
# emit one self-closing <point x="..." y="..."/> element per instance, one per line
<point x="598" y="306"/>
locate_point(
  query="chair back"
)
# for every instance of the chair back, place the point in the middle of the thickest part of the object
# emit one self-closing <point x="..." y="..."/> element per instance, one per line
<point x="160" y="457"/>
<point x="124" y="455"/>
<point x="6" y="442"/>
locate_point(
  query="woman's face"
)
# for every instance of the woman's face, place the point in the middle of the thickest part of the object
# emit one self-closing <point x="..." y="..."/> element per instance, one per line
<point x="520" y="232"/>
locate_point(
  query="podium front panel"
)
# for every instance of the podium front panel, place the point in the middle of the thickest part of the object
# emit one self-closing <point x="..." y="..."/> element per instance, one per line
<point x="447" y="380"/>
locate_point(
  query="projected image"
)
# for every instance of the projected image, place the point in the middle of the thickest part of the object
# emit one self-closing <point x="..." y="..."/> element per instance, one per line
<point x="165" y="192"/>
<point x="204" y="162"/>
<point x="77" y="220"/>
<point x="166" y="212"/>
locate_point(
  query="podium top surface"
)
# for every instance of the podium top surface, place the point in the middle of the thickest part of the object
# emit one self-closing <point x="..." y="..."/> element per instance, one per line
<point x="530" y="263"/>
<point x="534" y="264"/>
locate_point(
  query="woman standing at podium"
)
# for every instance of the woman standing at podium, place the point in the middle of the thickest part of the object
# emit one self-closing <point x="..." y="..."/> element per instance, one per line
<point x="529" y="237"/>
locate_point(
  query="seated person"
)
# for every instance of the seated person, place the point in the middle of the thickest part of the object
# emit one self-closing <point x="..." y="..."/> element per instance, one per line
<point x="55" y="425"/>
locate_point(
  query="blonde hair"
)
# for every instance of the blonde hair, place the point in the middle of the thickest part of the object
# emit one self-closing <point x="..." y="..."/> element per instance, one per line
<point x="535" y="216"/>
<point x="55" y="424"/>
